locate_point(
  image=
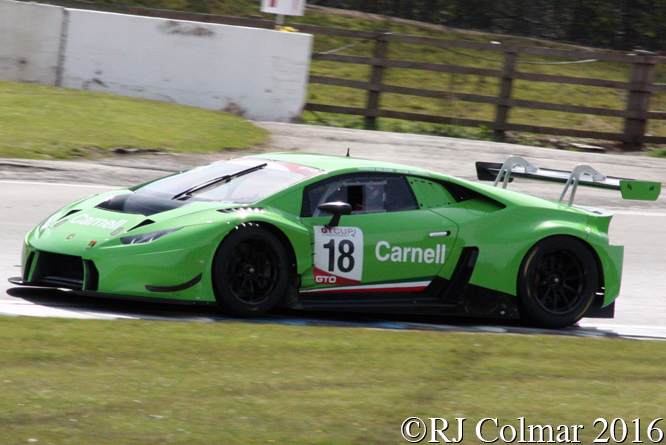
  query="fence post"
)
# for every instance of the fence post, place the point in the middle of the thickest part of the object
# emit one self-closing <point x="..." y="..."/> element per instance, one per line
<point x="380" y="52"/>
<point x="638" y="100"/>
<point x="506" y="85"/>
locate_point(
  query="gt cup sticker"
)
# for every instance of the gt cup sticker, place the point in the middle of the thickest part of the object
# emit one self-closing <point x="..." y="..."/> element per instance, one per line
<point x="338" y="255"/>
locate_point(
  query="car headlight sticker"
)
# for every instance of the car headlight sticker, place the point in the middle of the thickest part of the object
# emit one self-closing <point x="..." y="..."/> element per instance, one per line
<point x="149" y="237"/>
<point x="45" y="225"/>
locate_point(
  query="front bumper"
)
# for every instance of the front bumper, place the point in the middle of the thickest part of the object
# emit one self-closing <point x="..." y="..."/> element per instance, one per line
<point x="181" y="274"/>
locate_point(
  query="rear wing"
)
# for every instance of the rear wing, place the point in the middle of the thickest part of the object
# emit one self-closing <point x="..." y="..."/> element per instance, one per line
<point x="581" y="174"/>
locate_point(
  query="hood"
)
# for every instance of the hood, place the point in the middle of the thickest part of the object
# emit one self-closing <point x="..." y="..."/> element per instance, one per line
<point x="80" y="226"/>
<point x="146" y="203"/>
<point x="119" y="212"/>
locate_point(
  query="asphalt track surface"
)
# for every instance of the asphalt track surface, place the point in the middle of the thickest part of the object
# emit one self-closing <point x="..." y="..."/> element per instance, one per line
<point x="31" y="190"/>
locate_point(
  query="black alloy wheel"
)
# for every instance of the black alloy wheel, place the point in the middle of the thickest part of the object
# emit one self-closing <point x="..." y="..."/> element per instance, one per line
<point x="250" y="272"/>
<point x="557" y="283"/>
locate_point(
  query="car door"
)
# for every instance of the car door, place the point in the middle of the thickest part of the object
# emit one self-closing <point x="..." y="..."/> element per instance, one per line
<point x="387" y="244"/>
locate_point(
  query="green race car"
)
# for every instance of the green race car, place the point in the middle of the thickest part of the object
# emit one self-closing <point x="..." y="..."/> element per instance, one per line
<point x="339" y="233"/>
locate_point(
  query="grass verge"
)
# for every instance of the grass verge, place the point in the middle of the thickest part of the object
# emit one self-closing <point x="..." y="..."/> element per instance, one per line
<point x="42" y="122"/>
<point x="148" y="382"/>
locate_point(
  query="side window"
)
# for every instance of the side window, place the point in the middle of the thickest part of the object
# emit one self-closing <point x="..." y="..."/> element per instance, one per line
<point x="366" y="194"/>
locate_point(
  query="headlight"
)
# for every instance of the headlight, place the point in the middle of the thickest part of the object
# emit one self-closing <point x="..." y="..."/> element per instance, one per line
<point x="45" y="225"/>
<point x="147" y="237"/>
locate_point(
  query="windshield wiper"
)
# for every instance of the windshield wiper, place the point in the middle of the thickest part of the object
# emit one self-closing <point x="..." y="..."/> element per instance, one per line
<point x="215" y="181"/>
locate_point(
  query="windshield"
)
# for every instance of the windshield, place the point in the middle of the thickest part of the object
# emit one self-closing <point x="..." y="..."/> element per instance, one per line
<point x="245" y="189"/>
<point x="238" y="181"/>
<point x="215" y="182"/>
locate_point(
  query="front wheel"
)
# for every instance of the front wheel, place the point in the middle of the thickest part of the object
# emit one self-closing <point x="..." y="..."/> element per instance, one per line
<point x="557" y="283"/>
<point x="250" y="272"/>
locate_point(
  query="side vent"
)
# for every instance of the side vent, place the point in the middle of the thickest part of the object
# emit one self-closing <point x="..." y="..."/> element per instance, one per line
<point x="461" y="275"/>
<point x="28" y="266"/>
<point x="243" y="209"/>
<point x="145" y="222"/>
<point x="91" y="280"/>
<point x="71" y="212"/>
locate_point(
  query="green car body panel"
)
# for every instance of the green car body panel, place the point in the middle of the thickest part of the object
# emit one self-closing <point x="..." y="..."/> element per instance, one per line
<point x="170" y="254"/>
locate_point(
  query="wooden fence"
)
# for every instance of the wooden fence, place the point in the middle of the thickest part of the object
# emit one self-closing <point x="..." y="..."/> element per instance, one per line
<point x="638" y="87"/>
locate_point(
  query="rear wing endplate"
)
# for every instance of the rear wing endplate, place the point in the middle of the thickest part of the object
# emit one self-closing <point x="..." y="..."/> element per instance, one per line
<point x="581" y="174"/>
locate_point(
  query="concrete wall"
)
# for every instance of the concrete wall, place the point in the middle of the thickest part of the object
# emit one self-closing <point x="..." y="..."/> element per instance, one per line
<point x="258" y="74"/>
<point x="30" y="42"/>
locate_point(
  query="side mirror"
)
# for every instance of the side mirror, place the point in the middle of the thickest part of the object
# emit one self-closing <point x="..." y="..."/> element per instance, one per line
<point x="337" y="209"/>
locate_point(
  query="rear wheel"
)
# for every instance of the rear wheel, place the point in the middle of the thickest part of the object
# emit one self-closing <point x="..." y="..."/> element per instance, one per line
<point x="557" y="283"/>
<point x="250" y="272"/>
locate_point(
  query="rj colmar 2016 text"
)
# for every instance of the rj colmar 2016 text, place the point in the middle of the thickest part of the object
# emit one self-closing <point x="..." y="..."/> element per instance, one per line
<point x="493" y="430"/>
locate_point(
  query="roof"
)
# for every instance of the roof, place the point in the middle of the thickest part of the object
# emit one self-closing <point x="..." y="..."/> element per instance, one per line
<point x="332" y="163"/>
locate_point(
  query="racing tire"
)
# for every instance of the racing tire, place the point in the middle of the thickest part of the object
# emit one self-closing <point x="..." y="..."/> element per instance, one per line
<point x="557" y="282"/>
<point x="250" y="272"/>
